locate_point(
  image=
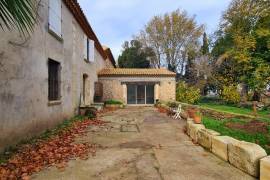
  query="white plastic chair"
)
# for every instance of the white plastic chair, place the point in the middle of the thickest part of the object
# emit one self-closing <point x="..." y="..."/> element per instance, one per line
<point x="178" y="112"/>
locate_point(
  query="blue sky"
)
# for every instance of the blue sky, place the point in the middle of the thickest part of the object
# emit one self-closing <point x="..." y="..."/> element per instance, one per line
<point x="115" y="21"/>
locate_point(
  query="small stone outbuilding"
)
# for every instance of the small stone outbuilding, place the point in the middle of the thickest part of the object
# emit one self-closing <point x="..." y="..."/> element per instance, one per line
<point x="137" y="86"/>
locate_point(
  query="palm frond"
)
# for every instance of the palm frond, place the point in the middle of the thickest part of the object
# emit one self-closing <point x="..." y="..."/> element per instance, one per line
<point x="17" y="14"/>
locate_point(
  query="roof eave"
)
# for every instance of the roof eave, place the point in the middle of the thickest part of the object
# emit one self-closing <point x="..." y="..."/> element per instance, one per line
<point x="78" y="14"/>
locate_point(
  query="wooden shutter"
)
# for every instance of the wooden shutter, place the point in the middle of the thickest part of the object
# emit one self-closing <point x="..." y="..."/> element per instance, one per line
<point x="85" y="44"/>
<point x="91" y="50"/>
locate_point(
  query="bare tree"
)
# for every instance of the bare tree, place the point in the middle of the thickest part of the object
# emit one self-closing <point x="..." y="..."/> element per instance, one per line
<point x="171" y="36"/>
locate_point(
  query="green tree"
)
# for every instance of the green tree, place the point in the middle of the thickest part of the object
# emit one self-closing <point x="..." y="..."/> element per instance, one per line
<point x="171" y="36"/>
<point x="17" y="14"/>
<point x="205" y="46"/>
<point x="242" y="45"/>
<point x="134" y="55"/>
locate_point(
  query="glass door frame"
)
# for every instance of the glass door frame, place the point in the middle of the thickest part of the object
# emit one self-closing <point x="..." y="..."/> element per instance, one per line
<point x="135" y="86"/>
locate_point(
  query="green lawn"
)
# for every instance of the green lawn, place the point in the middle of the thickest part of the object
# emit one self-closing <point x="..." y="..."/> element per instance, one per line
<point x="262" y="139"/>
<point x="264" y="114"/>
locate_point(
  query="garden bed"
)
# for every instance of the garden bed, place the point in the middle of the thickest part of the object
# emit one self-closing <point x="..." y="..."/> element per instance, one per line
<point x="251" y="131"/>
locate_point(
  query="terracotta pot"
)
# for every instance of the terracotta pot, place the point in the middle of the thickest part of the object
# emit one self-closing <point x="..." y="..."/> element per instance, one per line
<point x="191" y="113"/>
<point x="197" y="119"/>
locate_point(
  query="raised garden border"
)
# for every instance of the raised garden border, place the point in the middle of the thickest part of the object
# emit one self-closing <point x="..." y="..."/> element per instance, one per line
<point x="248" y="157"/>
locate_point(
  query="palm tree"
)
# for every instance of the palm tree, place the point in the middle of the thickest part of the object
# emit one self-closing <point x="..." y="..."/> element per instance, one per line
<point x="17" y="14"/>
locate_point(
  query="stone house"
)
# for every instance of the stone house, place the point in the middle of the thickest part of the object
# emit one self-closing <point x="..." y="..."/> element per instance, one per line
<point x="138" y="86"/>
<point x="45" y="77"/>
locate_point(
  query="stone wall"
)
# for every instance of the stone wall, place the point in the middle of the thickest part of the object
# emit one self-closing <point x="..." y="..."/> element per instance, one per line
<point x="114" y="89"/>
<point x="24" y="105"/>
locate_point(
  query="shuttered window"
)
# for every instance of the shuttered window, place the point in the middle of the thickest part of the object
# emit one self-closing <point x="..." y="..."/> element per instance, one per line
<point x="54" y="80"/>
<point x="55" y="16"/>
<point x="89" y="49"/>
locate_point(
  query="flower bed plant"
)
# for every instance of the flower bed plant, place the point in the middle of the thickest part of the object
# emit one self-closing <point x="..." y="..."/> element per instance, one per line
<point x="113" y="101"/>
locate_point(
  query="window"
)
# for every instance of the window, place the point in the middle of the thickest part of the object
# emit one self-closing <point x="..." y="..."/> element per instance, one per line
<point x="55" y="17"/>
<point x="54" y="80"/>
<point x="89" y="49"/>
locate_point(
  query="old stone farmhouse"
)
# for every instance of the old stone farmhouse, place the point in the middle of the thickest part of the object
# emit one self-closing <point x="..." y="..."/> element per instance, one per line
<point x="46" y="77"/>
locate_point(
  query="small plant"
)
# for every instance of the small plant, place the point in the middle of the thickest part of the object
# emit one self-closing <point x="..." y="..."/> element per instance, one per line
<point x="230" y="94"/>
<point x="172" y="104"/>
<point x="198" y="117"/>
<point x="113" y="101"/>
<point x="187" y="94"/>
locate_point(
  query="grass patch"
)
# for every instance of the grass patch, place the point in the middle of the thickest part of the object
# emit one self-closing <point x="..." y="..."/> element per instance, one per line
<point x="113" y="101"/>
<point x="263" y="114"/>
<point x="262" y="139"/>
<point x="8" y="152"/>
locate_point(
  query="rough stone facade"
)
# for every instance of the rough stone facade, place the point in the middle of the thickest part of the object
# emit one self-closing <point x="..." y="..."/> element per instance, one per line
<point x="115" y="87"/>
<point x="24" y="106"/>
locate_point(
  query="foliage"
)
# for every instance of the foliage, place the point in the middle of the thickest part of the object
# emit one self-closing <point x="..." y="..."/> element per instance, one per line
<point x="113" y="101"/>
<point x="172" y="104"/>
<point x="220" y="127"/>
<point x="230" y="94"/>
<point x="134" y="55"/>
<point x="205" y="46"/>
<point x="242" y="45"/>
<point x="187" y="94"/>
<point x="171" y="36"/>
<point x="17" y="14"/>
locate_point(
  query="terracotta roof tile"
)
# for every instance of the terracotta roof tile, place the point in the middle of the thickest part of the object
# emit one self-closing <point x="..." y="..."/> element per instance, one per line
<point x="135" y="72"/>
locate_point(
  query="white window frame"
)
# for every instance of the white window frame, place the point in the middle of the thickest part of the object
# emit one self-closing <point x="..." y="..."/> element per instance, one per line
<point x="89" y="49"/>
<point x="55" y="17"/>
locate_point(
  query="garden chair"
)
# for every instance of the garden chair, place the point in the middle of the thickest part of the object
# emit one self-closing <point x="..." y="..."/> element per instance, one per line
<point x="177" y="112"/>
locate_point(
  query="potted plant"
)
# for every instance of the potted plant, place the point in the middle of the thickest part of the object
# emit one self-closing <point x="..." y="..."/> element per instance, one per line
<point x="191" y="112"/>
<point x="197" y="118"/>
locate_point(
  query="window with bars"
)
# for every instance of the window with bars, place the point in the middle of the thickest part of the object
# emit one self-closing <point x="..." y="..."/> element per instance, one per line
<point x="54" y="80"/>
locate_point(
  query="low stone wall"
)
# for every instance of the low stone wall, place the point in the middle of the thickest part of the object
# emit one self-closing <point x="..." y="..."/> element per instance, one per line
<point x="217" y="114"/>
<point x="249" y="157"/>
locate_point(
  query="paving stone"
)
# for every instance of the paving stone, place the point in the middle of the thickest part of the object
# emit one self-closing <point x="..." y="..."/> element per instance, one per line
<point x="220" y="146"/>
<point x="205" y="137"/>
<point x="246" y="156"/>
<point x="265" y="168"/>
<point x="129" y="128"/>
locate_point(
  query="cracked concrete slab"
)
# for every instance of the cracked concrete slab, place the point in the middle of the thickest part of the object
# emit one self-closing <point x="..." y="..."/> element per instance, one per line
<point x="160" y="150"/>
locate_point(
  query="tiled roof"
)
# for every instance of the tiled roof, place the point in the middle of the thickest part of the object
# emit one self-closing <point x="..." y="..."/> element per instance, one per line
<point x="135" y="72"/>
<point x="109" y="55"/>
<point x="78" y="14"/>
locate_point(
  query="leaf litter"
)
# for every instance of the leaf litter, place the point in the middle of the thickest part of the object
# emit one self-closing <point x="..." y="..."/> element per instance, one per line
<point x="54" y="151"/>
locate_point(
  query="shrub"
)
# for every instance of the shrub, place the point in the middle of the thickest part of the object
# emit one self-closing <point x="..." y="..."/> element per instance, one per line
<point x="113" y="101"/>
<point x="172" y="104"/>
<point x="187" y="94"/>
<point x="230" y="95"/>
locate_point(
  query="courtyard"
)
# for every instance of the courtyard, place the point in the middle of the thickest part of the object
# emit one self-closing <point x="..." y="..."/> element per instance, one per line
<point x="141" y="143"/>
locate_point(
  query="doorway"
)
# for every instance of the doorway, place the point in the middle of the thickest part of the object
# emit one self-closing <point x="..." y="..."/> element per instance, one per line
<point x="140" y="94"/>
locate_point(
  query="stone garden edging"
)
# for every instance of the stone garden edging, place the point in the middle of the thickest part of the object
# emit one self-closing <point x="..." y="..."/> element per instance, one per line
<point x="216" y="113"/>
<point x="249" y="157"/>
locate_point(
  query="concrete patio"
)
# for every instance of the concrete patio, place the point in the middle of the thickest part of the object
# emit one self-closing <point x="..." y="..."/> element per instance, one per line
<point x="141" y="143"/>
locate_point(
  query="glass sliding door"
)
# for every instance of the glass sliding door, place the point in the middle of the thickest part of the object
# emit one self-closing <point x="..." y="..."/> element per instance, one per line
<point x="150" y="94"/>
<point x="140" y="94"/>
<point x="131" y="94"/>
